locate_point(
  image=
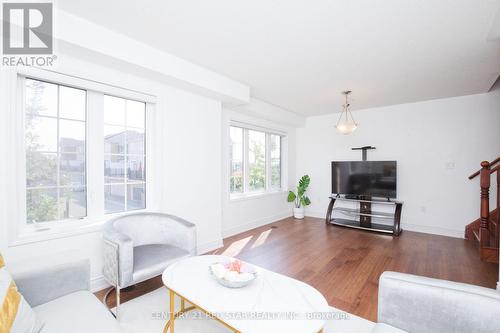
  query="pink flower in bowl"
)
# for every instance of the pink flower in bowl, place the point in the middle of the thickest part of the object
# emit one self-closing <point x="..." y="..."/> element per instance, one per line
<point x="233" y="273"/>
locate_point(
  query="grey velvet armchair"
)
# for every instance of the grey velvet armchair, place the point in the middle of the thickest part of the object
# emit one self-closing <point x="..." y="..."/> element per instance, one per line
<point x="140" y="246"/>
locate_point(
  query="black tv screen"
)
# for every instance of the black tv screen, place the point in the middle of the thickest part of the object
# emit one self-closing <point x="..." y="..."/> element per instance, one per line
<point x="364" y="178"/>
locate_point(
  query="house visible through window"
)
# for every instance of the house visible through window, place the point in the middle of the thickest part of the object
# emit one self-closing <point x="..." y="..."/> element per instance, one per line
<point x="124" y="159"/>
<point x="57" y="119"/>
<point x="55" y="145"/>
<point x="255" y="161"/>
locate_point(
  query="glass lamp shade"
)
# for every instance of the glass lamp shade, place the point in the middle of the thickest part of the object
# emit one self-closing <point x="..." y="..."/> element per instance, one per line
<point x="347" y="128"/>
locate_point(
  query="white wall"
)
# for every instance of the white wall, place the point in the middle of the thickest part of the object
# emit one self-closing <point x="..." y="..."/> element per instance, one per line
<point x="190" y="150"/>
<point x="186" y="158"/>
<point x="437" y="144"/>
<point x="250" y="212"/>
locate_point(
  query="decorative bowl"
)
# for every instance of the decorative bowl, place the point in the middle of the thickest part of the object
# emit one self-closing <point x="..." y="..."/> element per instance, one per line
<point x="233" y="273"/>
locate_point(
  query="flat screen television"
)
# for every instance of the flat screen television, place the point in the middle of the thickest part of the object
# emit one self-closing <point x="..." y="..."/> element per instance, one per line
<point x="364" y="178"/>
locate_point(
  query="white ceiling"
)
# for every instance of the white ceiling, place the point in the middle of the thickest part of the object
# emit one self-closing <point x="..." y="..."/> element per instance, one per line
<point x="301" y="54"/>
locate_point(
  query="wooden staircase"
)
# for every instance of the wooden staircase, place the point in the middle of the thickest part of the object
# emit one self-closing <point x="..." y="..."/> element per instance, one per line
<point x="484" y="232"/>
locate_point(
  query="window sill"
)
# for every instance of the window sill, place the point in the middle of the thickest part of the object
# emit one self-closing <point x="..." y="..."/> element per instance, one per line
<point x="255" y="195"/>
<point x="57" y="230"/>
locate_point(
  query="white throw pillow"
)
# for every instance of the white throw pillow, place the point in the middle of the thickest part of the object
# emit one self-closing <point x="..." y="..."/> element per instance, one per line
<point x="16" y="315"/>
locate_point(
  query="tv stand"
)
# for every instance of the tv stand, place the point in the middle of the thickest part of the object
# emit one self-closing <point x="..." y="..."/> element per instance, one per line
<point x="361" y="216"/>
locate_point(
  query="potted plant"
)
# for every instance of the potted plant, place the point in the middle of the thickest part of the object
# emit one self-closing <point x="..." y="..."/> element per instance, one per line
<point x="300" y="200"/>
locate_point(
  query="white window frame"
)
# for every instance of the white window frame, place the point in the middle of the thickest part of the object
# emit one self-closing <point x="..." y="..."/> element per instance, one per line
<point x="22" y="87"/>
<point x="22" y="232"/>
<point x="268" y="189"/>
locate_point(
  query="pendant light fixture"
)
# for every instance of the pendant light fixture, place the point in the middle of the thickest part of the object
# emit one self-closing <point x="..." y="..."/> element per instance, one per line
<point x="346" y="124"/>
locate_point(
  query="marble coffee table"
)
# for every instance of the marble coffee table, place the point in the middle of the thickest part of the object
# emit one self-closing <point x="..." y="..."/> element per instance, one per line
<point x="272" y="303"/>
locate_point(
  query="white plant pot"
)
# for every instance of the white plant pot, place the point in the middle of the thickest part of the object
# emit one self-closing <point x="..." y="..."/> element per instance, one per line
<point x="298" y="213"/>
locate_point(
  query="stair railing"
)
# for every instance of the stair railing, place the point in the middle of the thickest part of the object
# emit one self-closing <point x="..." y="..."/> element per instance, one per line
<point x="487" y="169"/>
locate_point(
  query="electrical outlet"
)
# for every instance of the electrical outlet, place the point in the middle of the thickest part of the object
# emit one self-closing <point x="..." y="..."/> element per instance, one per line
<point x="449" y="165"/>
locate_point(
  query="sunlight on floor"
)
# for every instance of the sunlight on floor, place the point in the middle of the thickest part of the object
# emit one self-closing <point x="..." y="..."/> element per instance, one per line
<point x="235" y="248"/>
<point x="262" y="238"/>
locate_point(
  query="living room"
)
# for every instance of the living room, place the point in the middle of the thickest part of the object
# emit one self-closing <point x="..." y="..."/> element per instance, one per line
<point x="335" y="161"/>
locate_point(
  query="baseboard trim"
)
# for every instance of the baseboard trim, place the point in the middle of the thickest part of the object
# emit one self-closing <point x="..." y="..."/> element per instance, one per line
<point x="433" y="230"/>
<point x="255" y="224"/>
<point x="98" y="283"/>
<point x="426" y="229"/>
<point x="210" y="246"/>
<point x="317" y="214"/>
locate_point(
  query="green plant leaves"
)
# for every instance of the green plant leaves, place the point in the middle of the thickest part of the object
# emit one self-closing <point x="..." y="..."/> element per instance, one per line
<point x="299" y="198"/>
<point x="303" y="185"/>
<point x="304" y="182"/>
<point x="305" y="201"/>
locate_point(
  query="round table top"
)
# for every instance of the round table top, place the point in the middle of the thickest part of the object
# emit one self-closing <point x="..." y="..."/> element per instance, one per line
<point x="271" y="303"/>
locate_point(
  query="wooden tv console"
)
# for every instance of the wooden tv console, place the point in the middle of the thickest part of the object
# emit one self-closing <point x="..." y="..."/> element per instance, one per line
<point x="365" y="212"/>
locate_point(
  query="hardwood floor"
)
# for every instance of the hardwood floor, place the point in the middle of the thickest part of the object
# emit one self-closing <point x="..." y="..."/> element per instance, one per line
<point x="345" y="264"/>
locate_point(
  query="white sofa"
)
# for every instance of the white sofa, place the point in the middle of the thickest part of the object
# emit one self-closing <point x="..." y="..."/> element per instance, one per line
<point x="61" y="298"/>
<point x="415" y="304"/>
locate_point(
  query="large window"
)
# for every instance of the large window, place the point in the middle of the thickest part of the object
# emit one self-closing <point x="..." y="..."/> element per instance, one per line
<point x="124" y="158"/>
<point x="61" y="160"/>
<point x="236" y="158"/>
<point x="55" y="144"/>
<point x="255" y="161"/>
<point x="275" y="147"/>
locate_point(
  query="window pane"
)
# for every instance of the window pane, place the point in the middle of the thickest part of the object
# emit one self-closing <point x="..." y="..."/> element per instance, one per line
<point x="41" y="205"/>
<point x="55" y="152"/>
<point x="135" y="141"/>
<point x="127" y="167"/>
<point x="41" y="134"/>
<point x="41" y="169"/>
<point x="41" y="98"/>
<point x="71" y="136"/>
<point x="72" y="103"/>
<point x="114" y="139"/>
<point x="72" y="169"/>
<point x="136" y="114"/>
<point x="136" y="198"/>
<point x="135" y="168"/>
<point x="236" y="160"/>
<point x="256" y="160"/>
<point x="275" y="146"/>
<point x="72" y="202"/>
<point x="114" y="110"/>
<point x="114" y="169"/>
<point x="114" y="198"/>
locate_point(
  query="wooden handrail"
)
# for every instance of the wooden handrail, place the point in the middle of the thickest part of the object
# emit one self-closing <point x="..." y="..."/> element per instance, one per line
<point x="495" y="169"/>
<point x="484" y="232"/>
<point x="484" y="182"/>
<point x="490" y="164"/>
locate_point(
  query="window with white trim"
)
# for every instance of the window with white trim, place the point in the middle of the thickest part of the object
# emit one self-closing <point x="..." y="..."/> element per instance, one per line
<point x="255" y="164"/>
<point x="124" y="158"/>
<point x="55" y="146"/>
<point x="62" y="153"/>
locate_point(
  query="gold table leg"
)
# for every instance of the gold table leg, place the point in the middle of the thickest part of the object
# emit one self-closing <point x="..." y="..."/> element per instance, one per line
<point x="172" y="311"/>
<point x="169" y="326"/>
